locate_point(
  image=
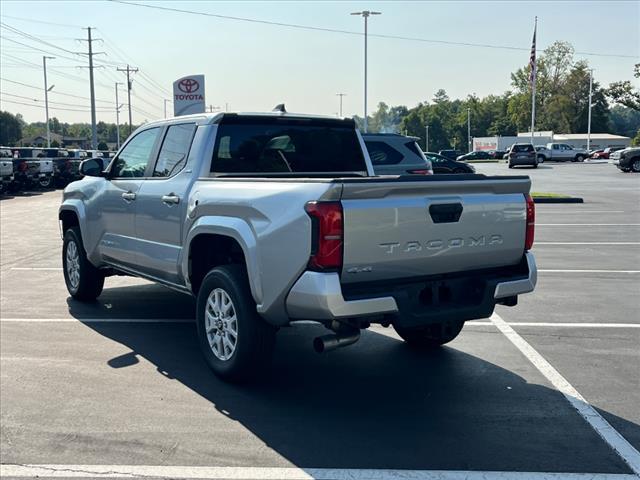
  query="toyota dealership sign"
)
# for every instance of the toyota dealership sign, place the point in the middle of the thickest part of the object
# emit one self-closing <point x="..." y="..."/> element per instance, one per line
<point x="188" y="95"/>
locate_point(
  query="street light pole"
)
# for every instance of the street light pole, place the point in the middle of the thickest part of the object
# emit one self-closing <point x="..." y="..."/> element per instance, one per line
<point x="468" y="129"/>
<point x="426" y="139"/>
<point x="340" y="95"/>
<point x="46" y="97"/>
<point x="117" y="117"/>
<point x="365" y="14"/>
<point x="590" y="105"/>
<point x="165" y="107"/>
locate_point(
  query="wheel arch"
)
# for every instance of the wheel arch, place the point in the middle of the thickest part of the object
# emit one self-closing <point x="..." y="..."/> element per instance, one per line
<point x="214" y="241"/>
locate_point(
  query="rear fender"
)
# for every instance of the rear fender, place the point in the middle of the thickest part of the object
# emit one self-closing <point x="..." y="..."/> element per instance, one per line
<point x="234" y="228"/>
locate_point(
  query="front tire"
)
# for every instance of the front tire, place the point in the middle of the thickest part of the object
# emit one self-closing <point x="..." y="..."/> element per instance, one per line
<point x="45" y="182"/>
<point x="635" y="166"/>
<point x="431" y="336"/>
<point x="579" y="158"/>
<point x="84" y="281"/>
<point x="236" y="342"/>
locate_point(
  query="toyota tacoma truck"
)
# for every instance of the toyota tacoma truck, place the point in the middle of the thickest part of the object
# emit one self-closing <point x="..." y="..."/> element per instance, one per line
<point x="272" y="219"/>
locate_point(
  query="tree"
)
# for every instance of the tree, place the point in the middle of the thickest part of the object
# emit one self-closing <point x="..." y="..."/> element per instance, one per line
<point x="103" y="146"/>
<point x="624" y="93"/>
<point x="10" y="128"/>
<point x="55" y="144"/>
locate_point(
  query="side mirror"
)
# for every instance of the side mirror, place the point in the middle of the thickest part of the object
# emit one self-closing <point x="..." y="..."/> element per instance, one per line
<point x="92" y="167"/>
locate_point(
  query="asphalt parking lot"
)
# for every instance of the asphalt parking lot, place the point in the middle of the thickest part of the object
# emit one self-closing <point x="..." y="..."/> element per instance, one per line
<point x="119" y="387"/>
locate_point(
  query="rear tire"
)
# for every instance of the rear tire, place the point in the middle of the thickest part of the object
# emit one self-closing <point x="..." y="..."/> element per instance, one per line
<point x="635" y="166"/>
<point x="236" y="342"/>
<point x="84" y="281"/>
<point x="431" y="336"/>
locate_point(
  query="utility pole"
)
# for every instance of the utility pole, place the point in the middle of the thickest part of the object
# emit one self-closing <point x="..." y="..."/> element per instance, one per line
<point x="94" y="132"/>
<point x="340" y="95"/>
<point x="117" y="117"/>
<point x="46" y="97"/>
<point x="590" y="105"/>
<point x="468" y="129"/>
<point x="165" y="107"/>
<point x="426" y="139"/>
<point x="129" y="70"/>
<point x="365" y="14"/>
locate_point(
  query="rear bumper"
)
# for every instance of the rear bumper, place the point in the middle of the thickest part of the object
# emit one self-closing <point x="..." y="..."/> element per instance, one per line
<point x="462" y="296"/>
<point x="523" y="161"/>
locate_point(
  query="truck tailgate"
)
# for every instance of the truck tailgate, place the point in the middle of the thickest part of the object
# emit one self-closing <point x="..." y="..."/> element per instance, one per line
<point x="408" y="228"/>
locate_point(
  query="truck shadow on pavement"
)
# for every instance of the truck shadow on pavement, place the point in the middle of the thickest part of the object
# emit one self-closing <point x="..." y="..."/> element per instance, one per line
<point x="377" y="404"/>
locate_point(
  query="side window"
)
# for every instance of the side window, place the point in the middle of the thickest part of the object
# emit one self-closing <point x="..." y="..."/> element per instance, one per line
<point x="133" y="159"/>
<point x="383" y="154"/>
<point x="175" y="149"/>
<point x="434" y="159"/>
<point x="556" y="146"/>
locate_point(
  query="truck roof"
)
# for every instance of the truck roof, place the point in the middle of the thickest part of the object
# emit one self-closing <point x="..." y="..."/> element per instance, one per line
<point x="213" y="118"/>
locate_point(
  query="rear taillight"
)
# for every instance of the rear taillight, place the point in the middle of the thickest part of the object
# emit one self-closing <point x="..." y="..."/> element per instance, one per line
<point x="22" y="166"/>
<point x="327" y="235"/>
<point x="531" y="223"/>
<point x="420" y="172"/>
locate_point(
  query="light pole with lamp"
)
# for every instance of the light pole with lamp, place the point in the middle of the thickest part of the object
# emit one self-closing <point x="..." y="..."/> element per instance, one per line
<point x="365" y="14"/>
<point x="46" y="97"/>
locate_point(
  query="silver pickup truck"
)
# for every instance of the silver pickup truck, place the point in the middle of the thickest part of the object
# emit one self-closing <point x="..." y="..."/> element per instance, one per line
<point x="273" y="219"/>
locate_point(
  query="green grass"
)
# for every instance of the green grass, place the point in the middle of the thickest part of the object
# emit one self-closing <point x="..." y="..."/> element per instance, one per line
<point x="548" y="195"/>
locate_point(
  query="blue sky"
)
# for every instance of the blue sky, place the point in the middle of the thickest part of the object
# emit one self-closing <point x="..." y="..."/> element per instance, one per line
<point x="252" y="66"/>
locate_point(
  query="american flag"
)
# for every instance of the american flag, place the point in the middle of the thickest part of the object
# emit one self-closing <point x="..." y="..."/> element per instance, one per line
<point x="532" y="58"/>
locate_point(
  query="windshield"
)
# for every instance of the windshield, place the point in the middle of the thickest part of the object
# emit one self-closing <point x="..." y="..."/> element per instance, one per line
<point x="275" y="145"/>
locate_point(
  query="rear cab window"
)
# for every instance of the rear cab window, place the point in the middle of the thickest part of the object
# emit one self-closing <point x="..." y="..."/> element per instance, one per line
<point x="174" y="150"/>
<point x="523" y="148"/>
<point x="286" y="146"/>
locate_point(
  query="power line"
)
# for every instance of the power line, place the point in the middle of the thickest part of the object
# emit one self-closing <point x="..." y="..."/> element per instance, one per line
<point x="41" y="21"/>
<point x="53" y="91"/>
<point x="42" y="106"/>
<point x="350" y="32"/>
<point x="50" y="101"/>
<point x="35" y="39"/>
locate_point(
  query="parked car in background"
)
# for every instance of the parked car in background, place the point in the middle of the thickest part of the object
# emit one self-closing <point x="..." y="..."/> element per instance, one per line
<point x="394" y="154"/>
<point x="452" y="154"/>
<point x="627" y="160"/>
<point x="606" y="153"/>
<point x="523" y="154"/>
<point x="77" y="153"/>
<point x="591" y="153"/>
<point x="6" y="169"/>
<point x="442" y="164"/>
<point x="561" y="152"/>
<point x="32" y="169"/>
<point x="475" y="155"/>
<point x="497" y="154"/>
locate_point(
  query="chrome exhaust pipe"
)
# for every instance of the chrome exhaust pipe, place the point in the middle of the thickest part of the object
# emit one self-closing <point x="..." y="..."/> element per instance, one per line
<point x="326" y="343"/>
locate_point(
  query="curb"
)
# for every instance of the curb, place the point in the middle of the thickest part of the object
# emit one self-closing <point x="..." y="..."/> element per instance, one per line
<point x="557" y="200"/>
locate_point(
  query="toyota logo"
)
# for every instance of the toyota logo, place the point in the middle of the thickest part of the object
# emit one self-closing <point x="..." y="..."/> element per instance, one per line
<point x="188" y="85"/>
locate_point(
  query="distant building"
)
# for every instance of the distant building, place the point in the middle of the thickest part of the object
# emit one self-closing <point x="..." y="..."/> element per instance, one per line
<point x="62" y="140"/>
<point x="576" y="140"/>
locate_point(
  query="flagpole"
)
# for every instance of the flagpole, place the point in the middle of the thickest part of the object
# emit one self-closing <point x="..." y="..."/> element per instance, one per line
<point x="534" y="75"/>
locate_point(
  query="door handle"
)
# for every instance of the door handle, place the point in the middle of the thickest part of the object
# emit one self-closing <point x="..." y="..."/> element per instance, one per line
<point x="128" y="196"/>
<point x="171" y="199"/>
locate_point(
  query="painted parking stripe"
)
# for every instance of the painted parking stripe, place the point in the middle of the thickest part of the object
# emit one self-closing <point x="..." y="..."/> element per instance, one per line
<point x="587" y="224"/>
<point x="587" y="243"/>
<point x="97" y="320"/>
<point x="546" y="270"/>
<point x="35" y="268"/>
<point x="281" y="473"/>
<point x="610" y="435"/>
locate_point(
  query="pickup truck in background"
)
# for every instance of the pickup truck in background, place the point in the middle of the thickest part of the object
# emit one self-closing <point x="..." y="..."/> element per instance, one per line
<point x="6" y="170"/>
<point x="31" y="168"/>
<point x="561" y="152"/>
<point x="271" y="219"/>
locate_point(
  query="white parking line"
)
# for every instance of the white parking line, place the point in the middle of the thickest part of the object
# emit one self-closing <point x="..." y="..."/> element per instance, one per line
<point x="587" y="224"/>
<point x="545" y="270"/>
<point x="97" y="320"/>
<point x="587" y="243"/>
<point x="35" y="268"/>
<point x="282" y="473"/>
<point x="610" y="435"/>
<point x="572" y="212"/>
